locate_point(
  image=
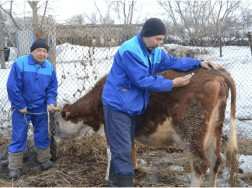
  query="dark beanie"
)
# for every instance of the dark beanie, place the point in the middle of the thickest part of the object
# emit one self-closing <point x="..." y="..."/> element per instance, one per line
<point x="40" y="43"/>
<point x="153" y="27"/>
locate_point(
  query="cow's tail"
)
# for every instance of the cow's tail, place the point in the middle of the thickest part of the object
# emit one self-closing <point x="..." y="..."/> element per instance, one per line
<point x="232" y="146"/>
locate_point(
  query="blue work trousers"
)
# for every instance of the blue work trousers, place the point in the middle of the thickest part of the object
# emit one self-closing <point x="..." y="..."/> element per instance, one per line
<point x="20" y="128"/>
<point x="120" y="132"/>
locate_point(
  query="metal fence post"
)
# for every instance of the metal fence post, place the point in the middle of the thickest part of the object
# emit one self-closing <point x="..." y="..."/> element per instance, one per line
<point x="250" y="40"/>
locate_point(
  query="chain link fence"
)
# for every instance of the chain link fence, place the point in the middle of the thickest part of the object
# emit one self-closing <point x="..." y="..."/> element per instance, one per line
<point x="84" y="54"/>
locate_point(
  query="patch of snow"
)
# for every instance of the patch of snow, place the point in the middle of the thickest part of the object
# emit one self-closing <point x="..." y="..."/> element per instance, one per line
<point x="246" y="163"/>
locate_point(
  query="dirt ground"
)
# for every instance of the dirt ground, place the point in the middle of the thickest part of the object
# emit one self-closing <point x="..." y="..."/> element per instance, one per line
<point x="82" y="162"/>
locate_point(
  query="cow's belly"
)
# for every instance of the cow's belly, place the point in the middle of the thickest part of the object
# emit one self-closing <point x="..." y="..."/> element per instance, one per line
<point x="163" y="136"/>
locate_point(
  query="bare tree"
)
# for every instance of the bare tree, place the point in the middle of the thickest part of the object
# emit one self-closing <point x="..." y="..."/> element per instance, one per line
<point x="101" y="15"/>
<point x="44" y="14"/>
<point x="76" y="20"/>
<point x="125" y="10"/>
<point x="224" y="10"/>
<point x="39" y="24"/>
<point x="9" y="13"/>
<point x="34" y="7"/>
<point x="114" y="11"/>
<point x="198" y="21"/>
<point x="246" y="18"/>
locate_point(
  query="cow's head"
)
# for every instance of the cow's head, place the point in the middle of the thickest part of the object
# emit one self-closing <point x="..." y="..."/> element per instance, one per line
<point x="73" y="121"/>
<point x="65" y="113"/>
<point x="68" y="128"/>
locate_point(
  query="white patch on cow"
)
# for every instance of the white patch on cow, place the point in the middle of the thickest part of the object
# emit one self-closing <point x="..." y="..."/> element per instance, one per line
<point x="234" y="134"/>
<point x="69" y="129"/>
<point x="210" y="142"/>
<point x="210" y="137"/>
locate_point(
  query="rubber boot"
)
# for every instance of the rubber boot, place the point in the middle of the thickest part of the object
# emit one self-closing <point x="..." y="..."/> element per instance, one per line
<point x="15" y="165"/>
<point x="43" y="157"/>
<point x="122" y="181"/>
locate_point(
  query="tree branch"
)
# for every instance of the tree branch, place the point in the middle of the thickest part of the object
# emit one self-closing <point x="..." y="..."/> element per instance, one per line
<point x="10" y="15"/>
<point x="43" y="17"/>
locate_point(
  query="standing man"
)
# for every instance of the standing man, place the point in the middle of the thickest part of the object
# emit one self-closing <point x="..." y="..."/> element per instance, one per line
<point x="126" y="92"/>
<point x="32" y="90"/>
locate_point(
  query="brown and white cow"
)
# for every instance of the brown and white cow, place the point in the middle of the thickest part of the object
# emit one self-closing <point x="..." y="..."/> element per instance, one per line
<point x="194" y="114"/>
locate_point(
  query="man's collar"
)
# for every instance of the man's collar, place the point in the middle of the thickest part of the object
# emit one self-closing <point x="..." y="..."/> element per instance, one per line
<point x="33" y="61"/>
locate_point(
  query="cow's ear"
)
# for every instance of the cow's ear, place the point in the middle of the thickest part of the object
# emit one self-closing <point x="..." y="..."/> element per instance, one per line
<point x="66" y="106"/>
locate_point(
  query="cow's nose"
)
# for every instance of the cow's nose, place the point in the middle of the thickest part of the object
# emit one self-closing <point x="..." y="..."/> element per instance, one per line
<point x="63" y="114"/>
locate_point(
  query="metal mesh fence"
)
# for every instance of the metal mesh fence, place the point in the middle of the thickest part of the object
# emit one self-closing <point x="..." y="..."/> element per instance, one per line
<point x="85" y="53"/>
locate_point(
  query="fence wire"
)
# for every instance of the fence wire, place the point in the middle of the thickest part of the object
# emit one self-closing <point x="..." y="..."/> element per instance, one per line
<point x="84" y="54"/>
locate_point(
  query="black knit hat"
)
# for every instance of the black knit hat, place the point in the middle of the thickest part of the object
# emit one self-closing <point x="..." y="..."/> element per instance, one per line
<point x="153" y="27"/>
<point x="40" y="43"/>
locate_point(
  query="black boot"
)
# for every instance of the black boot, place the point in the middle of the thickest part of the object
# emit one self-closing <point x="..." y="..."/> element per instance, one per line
<point x="123" y="181"/>
<point x="111" y="178"/>
<point x="46" y="165"/>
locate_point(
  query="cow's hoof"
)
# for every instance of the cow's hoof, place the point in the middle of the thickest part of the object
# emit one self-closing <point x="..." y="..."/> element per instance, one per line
<point x="140" y="172"/>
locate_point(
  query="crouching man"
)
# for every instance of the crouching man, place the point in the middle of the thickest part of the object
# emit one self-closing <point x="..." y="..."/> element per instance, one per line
<point x="32" y="90"/>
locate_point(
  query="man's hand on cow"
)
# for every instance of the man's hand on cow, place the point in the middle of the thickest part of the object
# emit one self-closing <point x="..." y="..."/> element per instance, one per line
<point x="23" y="111"/>
<point x="52" y="108"/>
<point x="182" y="80"/>
<point x="209" y="65"/>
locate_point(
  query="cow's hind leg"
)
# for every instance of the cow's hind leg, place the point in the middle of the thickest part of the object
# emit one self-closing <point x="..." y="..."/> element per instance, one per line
<point x="212" y="153"/>
<point x="212" y="142"/>
<point x="214" y="159"/>
<point x="199" y="168"/>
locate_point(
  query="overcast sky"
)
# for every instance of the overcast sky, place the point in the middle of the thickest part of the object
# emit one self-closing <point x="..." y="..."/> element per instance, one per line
<point x="65" y="9"/>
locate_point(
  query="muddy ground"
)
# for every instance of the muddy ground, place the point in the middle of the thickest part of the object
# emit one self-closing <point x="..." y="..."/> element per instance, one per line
<point x="82" y="162"/>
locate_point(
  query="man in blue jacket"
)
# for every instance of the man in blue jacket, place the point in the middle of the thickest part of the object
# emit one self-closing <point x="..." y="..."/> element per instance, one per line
<point x="134" y="74"/>
<point x="32" y="91"/>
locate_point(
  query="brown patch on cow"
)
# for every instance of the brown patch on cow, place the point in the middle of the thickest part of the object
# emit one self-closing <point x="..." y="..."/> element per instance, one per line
<point x="87" y="109"/>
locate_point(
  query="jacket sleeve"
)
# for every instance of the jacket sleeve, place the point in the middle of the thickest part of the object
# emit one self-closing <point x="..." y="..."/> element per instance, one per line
<point x="52" y="89"/>
<point x="139" y="74"/>
<point x="14" y="88"/>
<point x="183" y="64"/>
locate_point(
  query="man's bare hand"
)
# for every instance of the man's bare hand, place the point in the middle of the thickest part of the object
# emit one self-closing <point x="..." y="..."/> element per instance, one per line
<point x="210" y="65"/>
<point x="182" y="81"/>
<point x="23" y="111"/>
<point x="52" y="108"/>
